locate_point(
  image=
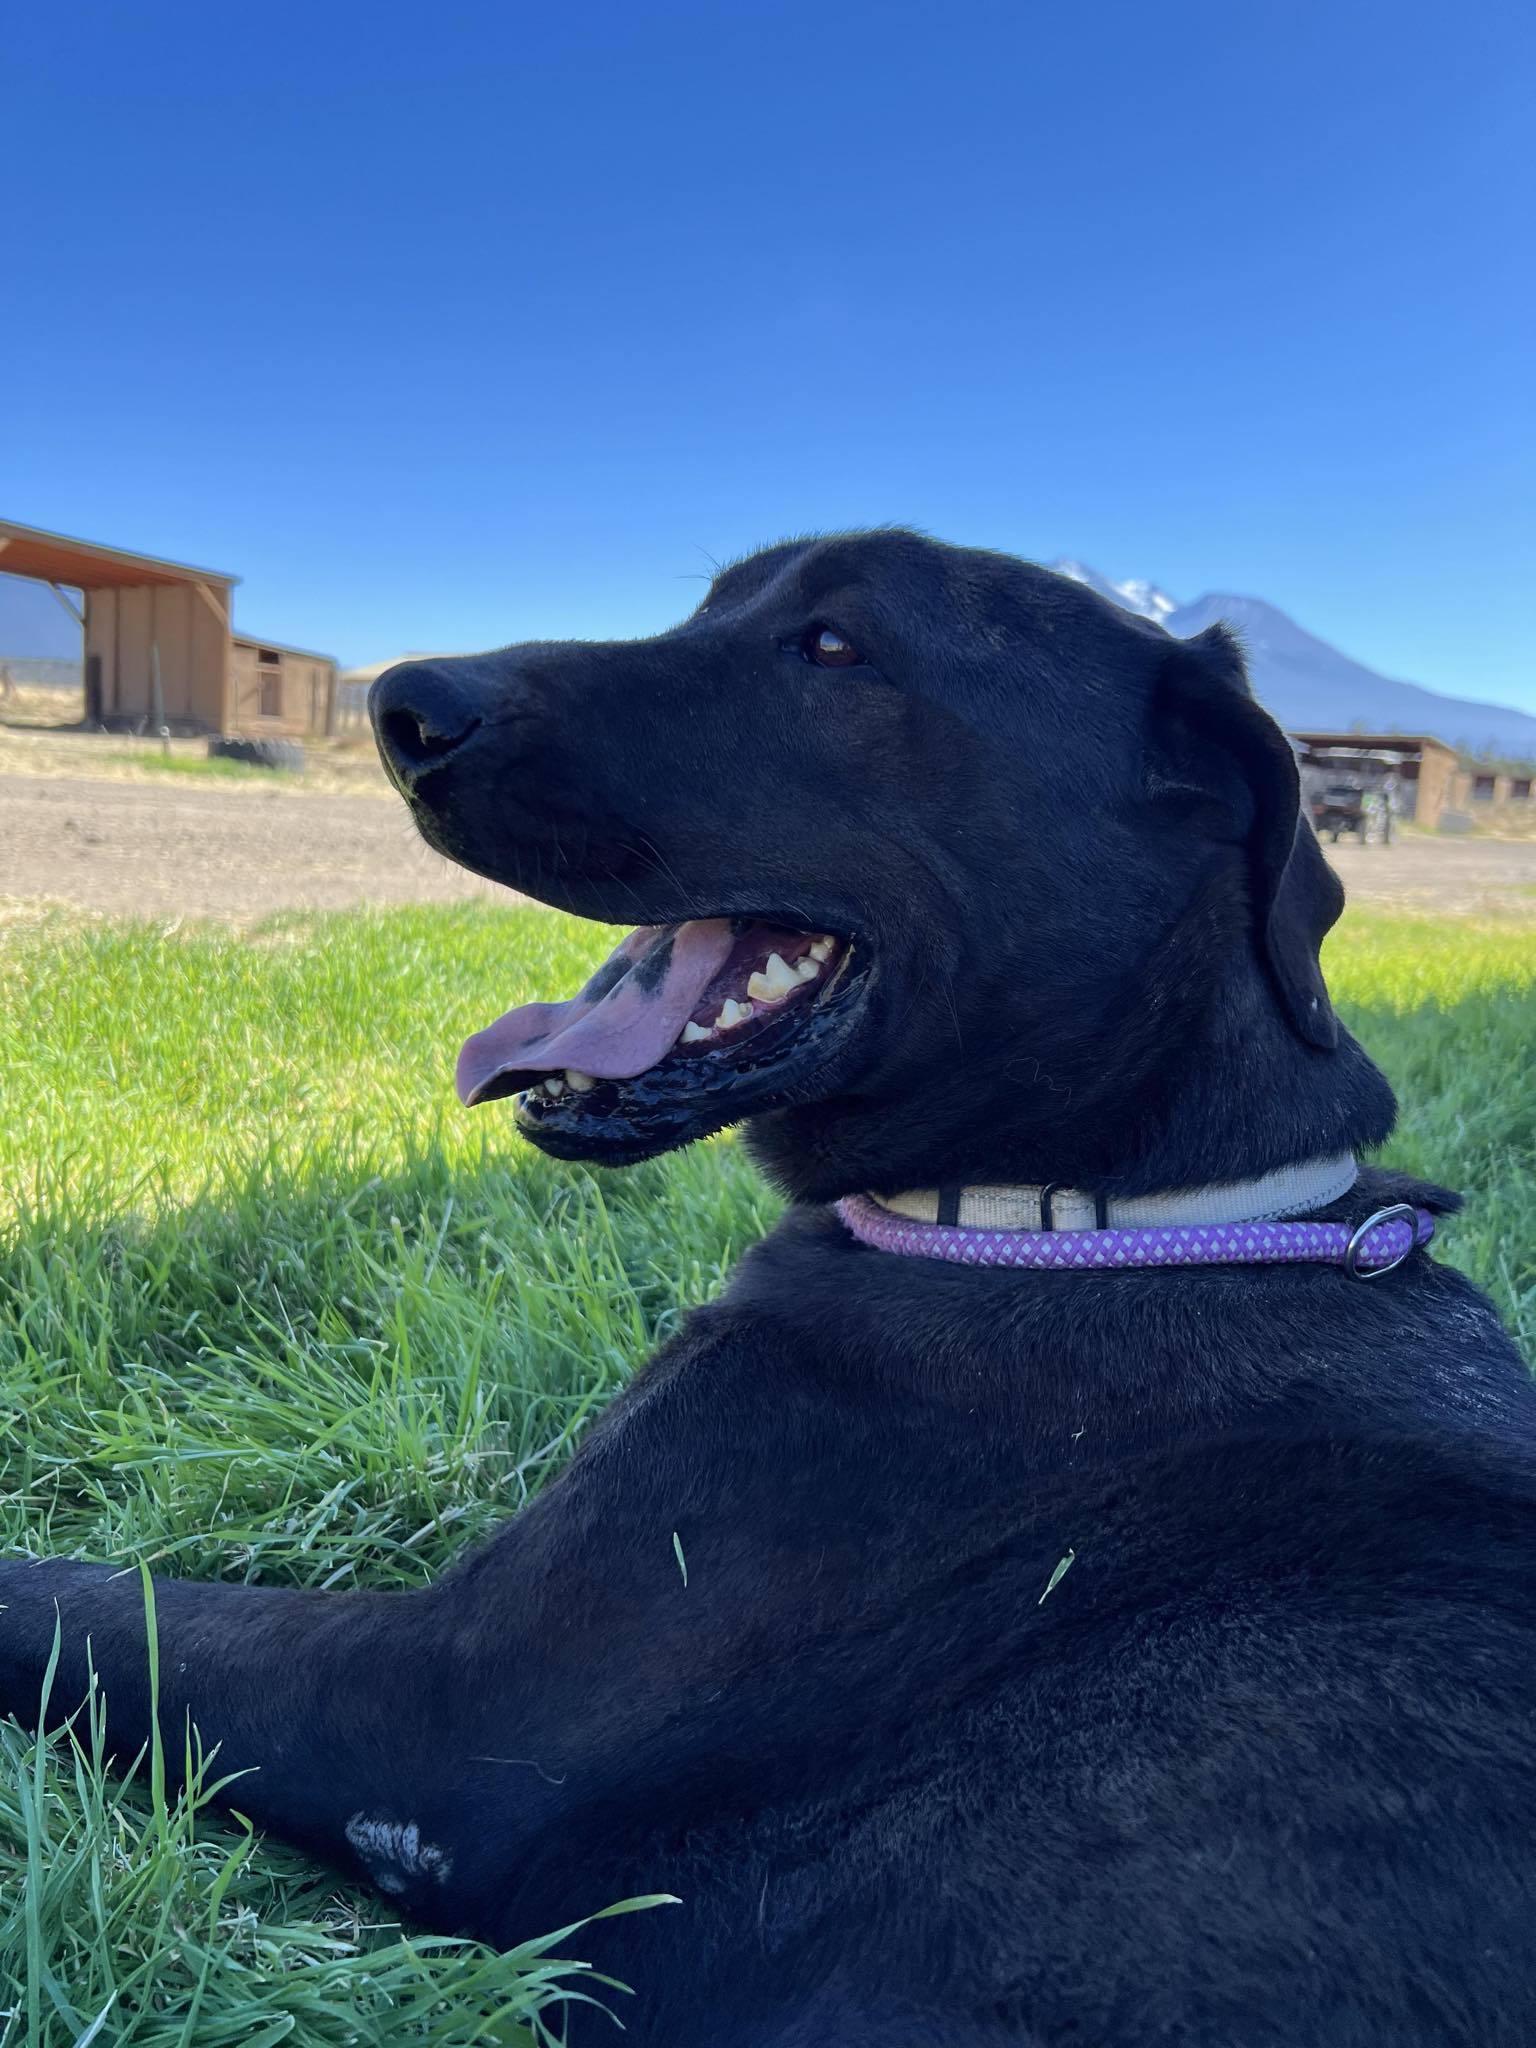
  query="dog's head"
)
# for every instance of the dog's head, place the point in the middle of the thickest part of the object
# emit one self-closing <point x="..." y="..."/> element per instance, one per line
<point x="932" y="853"/>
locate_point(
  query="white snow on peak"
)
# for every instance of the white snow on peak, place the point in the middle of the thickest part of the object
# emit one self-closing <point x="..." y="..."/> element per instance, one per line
<point x="1147" y="599"/>
<point x="1134" y="596"/>
<point x="1309" y="685"/>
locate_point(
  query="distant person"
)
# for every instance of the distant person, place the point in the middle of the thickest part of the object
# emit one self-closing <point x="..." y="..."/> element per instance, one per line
<point x="1378" y="804"/>
<point x="1394" y="802"/>
<point x="1387" y="805"/>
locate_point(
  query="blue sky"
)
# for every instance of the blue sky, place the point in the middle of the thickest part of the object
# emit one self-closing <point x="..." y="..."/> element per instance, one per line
<point x="449" y="325"/>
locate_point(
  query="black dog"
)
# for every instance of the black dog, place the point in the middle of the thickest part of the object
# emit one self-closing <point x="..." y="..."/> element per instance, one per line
<point x="1112" y="1658"/>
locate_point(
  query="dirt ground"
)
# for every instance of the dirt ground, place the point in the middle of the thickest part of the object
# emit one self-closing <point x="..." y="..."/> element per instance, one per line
<point x="346" y="767"/>
<point x="88" y="826"/>
<point x="1445" y="877"/>
<point x="233" y="853"/>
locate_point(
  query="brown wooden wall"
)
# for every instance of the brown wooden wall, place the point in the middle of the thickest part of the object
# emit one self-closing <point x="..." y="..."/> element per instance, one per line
<point x="123" y="626"/>
<point x="301" y="687"/>
<point x="1479" y="790"/>
<point x="1437" y="771"/>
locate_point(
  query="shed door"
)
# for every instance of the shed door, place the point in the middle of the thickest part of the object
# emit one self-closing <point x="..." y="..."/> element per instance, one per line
<point x="269" y="683"/>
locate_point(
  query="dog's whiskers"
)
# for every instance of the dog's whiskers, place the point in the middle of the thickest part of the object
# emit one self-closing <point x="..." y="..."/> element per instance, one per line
<point x="648" y="850"/>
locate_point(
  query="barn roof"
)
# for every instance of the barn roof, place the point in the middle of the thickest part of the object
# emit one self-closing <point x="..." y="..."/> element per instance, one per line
<point x="1373" y="742"/>
<point x="87" y="565"/>
<point x="260" y="640"/>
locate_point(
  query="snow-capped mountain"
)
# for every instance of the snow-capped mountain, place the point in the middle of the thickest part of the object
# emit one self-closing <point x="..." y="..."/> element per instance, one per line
<point x="1144" y="598"/>
<point x="1309" y="685"/>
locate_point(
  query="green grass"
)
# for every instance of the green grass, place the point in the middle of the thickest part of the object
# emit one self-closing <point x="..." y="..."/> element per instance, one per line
<point x="1448" y="1009"/>
<point x="273" y="1308"/>
<point x="200" y="765"/>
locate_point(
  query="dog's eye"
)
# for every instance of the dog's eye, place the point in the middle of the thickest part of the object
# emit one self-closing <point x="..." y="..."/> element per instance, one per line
<point x="827" y="647"/>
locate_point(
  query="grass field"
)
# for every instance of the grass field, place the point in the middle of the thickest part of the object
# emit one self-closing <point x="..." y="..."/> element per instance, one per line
<point x="272" y="1307"/>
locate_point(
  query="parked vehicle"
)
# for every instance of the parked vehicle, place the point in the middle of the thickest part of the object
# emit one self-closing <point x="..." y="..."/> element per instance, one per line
<point x="1361" y="798"/>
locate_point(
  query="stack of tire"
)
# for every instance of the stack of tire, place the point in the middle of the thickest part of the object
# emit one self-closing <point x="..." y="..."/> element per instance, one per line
<point x="286" y="755"/>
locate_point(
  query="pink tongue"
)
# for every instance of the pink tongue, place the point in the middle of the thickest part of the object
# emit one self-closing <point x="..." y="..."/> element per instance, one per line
<point x="629" y="1014"/>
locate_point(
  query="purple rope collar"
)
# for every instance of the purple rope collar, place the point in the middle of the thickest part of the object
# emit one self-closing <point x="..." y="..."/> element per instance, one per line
<point x="1365" y="1250"/>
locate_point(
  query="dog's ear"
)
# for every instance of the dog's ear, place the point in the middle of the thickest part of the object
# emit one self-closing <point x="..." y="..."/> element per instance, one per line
<point x="1217" y="753"/>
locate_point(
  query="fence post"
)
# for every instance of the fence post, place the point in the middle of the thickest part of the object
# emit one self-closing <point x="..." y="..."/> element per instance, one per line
<point x="157" y="698"/>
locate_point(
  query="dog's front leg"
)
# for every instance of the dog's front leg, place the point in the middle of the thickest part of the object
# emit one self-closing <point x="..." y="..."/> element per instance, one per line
<point x="335" y="1707"/>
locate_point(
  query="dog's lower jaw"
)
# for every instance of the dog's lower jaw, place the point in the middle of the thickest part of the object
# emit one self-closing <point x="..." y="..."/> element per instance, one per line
<point x="684" y="1099"/>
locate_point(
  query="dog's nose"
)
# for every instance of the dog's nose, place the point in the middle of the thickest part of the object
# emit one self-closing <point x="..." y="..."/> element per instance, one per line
<point x="422" y="712"/>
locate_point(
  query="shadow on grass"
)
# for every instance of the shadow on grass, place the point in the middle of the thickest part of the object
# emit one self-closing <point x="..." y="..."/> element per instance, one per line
<point x="321" y="1373"/>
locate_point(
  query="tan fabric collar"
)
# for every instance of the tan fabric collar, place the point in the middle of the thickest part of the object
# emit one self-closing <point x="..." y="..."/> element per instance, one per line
<point x="1289" y="1191"/>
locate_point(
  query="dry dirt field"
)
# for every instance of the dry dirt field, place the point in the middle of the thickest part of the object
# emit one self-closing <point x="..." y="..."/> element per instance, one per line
<point x="122" y="848"/>
<point x="90" y="824"/>
<point x="1450" y="877"/>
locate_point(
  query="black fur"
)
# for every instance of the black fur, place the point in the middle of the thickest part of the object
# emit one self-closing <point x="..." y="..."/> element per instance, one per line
<point x="1259" y="1768"/>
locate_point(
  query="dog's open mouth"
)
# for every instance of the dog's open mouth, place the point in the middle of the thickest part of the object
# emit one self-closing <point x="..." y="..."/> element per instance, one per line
<point x="677" y="1020"/>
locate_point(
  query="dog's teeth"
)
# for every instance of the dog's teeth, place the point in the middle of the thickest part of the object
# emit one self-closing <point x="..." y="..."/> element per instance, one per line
<point x="822" y="950"/>
<point x="554" y="1085"/>
<point x="574" y="1078"/>
<point x="695" y="1034"/>
<point x="807" y="969"/>
<point x="732" y="1013"/>
<point x="775" y="980"/>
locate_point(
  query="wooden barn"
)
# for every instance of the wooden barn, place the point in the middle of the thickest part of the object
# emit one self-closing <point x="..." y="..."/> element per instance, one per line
<point x="159" y="644"/>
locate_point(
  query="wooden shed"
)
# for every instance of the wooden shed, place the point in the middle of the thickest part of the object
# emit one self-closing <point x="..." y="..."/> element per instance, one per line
<point x="160" y="646"/>
<point x="276" y="689"/>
